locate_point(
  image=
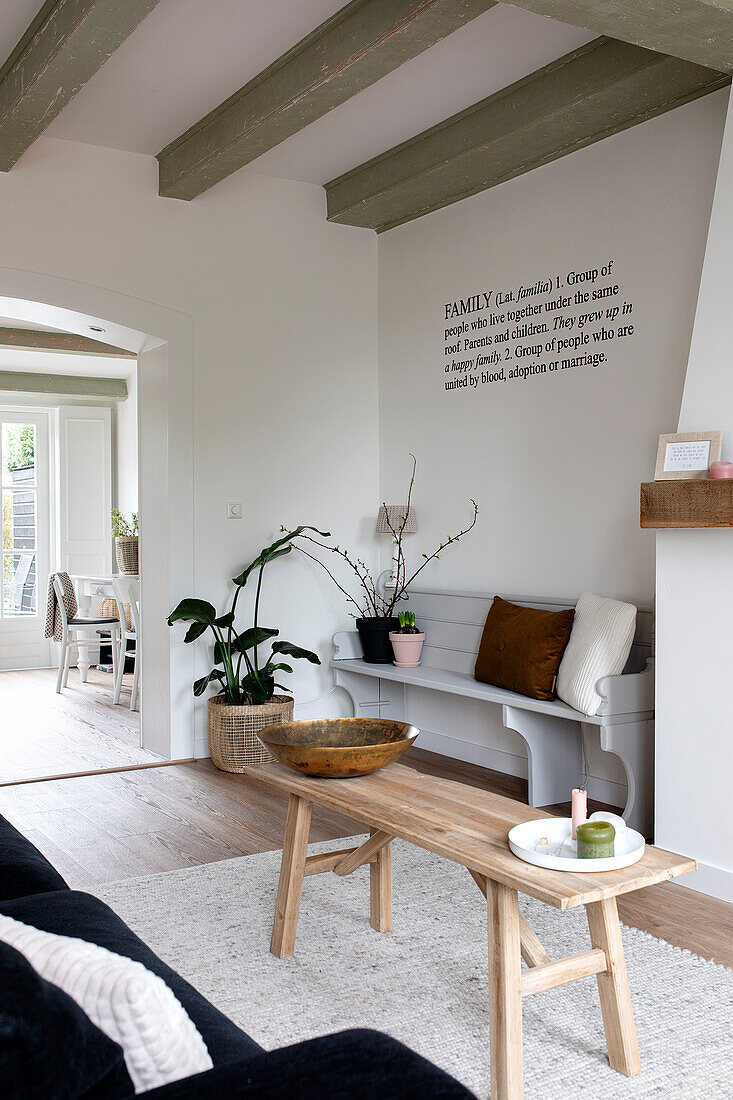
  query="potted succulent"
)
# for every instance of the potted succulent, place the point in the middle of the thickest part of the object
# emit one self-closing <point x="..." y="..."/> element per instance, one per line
<point x="247" y="701"/>
<point x="126" y="542"/>
<point x="407" y="641"/>
<point x="374" y="606"/>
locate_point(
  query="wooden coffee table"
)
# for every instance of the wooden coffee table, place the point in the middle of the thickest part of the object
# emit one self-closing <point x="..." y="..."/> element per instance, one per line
<point x="470" y="826"/>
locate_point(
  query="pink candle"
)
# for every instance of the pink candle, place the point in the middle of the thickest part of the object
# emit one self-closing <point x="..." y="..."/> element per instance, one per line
<point x="721" y="469"/>
<point x="580" y="808"/>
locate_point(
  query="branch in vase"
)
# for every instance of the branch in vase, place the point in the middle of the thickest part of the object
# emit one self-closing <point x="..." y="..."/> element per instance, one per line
<point x="362" y="613"/>
<point x="363" y="575"/>
<point x="448" y="542"/>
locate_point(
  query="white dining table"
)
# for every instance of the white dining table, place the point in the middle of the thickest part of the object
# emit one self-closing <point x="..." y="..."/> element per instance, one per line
<point x="89" y="585"/>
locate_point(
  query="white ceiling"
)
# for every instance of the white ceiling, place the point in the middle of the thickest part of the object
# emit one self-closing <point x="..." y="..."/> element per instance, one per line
<point x="51" y="362"/>
<point x="180" y="63"/>
<point x="15" y="17"/>
<point x="187" y="56"/>
<point x="493" y="50"/>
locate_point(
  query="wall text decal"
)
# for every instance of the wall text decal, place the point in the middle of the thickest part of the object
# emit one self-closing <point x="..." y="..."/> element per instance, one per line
<point x="553" y="324"/>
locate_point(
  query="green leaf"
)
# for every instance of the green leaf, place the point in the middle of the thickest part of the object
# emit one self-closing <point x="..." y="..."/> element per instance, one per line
<point x="291" y="650"/>
<point x="260" y="688"/>
<point x="224" y="620"/>
<point x="275" y="550"/>
<point x="281" y="667"/>
<point x="252" y="637"/>
<point x="201" y="685"/>
<point x="195" y="631"/>
<point x="193" y="611"/>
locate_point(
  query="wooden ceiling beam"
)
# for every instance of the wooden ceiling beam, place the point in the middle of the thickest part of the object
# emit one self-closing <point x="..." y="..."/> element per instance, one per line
<point x="65" y="45"/>
<point x="350" y="51"/>
<point x="67" y="343"/>
<point x="587" y="95"/>
<point x="696" y="30"/>
<point x="67" y="385"/>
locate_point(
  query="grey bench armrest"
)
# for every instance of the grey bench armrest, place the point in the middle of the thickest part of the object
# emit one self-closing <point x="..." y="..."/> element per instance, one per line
<point x="630" y="693"/>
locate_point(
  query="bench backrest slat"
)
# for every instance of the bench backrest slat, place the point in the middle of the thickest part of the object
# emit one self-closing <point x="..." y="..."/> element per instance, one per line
<point x="454" y="621"/>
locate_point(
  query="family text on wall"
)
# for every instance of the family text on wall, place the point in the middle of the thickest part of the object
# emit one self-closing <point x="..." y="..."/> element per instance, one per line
<point x="557" y="323"/>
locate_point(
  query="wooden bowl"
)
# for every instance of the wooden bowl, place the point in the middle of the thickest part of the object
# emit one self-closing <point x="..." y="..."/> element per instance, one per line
<point x="336" y="748"/>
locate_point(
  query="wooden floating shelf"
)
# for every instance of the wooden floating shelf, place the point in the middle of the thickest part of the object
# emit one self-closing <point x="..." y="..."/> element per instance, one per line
<point x="707" y="503"/>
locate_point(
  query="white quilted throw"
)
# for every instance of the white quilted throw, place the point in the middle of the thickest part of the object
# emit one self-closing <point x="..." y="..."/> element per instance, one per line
<point x="126" y="1001"/>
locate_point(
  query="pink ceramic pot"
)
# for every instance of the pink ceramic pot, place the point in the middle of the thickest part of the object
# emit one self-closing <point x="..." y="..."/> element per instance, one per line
<point x="407" y="648"/>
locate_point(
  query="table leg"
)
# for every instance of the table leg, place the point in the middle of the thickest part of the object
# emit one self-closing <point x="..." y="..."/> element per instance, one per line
<point x="380" y="888"/>
<point x="292" y="869"/>
<point x="83" y="661"/>
<point x="505" y="993"/>
<point x="613" y="987"/>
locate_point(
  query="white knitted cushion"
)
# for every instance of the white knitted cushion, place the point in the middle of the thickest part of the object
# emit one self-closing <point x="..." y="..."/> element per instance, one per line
<point x="600" y="643"/>
<point x="134" y="1007"/>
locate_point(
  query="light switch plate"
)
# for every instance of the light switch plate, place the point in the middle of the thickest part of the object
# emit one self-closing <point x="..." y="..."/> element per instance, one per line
<point x="234" y="509"/>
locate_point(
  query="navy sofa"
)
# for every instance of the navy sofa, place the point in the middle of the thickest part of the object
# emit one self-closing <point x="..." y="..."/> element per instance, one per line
<point x="51" y="1051"/>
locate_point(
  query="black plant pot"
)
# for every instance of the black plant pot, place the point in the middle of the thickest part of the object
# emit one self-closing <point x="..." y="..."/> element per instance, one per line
<point x="374" y="635"/>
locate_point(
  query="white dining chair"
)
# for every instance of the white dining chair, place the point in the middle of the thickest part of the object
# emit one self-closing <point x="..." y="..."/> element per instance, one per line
<point x="70" y="630"/>
<point x="127" y="591"/>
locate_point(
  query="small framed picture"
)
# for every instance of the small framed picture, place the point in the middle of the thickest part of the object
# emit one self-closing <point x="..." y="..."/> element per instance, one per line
<point x="687" y="455"/>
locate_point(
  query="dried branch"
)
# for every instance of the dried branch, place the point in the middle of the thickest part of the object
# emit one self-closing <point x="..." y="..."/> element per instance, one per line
<point x="376" y="603"/>
<point x="436" y="554"/>
<point x="318" y="561"/>
<point x="360" y="569"/>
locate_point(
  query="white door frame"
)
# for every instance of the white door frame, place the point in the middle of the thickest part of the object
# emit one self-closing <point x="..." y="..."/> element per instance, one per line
<point x="163" y="340"/>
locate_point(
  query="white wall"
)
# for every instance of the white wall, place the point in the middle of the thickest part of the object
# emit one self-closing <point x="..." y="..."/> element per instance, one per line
<point x="554" y="461"/>
<point x="284" y="316"/>
<point x="126" y="449"/>
<point x="695" y="598"/>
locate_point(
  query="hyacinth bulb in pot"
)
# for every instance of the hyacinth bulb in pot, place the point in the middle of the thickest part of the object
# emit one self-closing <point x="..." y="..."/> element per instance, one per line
<point x="407" y="641"/>
<point x="246" y="702"/>
<point x="372" y="605"/>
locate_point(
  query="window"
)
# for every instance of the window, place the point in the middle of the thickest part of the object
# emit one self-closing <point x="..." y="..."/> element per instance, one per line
<point x="19" y="486"/>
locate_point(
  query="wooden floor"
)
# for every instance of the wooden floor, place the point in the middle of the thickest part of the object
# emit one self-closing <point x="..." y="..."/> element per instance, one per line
<point x="103" y="828"/>
<point x="42" y="733"/>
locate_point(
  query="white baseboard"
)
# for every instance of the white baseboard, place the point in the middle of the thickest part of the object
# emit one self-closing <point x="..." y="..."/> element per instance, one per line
<point x="602" y="790"/>
<point x="606" y="790"/>
<point x="717" y="882"/>
<point x="201" y="748"/>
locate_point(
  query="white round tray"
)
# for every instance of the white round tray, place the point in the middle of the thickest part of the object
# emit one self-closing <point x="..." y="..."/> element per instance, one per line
<point x="629" y="847"/>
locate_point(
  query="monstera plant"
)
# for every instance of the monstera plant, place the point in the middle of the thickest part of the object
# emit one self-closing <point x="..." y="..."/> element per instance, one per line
<point x="246" y="665"/>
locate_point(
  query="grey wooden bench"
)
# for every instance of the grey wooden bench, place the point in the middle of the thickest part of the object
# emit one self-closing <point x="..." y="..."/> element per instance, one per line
<point x="551" y="731"/>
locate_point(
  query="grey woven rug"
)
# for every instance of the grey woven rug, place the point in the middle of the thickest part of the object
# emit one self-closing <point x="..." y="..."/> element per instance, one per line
<point x="425" y="982"/>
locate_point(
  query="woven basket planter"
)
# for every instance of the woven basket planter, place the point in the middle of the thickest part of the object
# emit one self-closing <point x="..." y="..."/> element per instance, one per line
<point x="233" y="741"/>
<point x="126" y="550"/>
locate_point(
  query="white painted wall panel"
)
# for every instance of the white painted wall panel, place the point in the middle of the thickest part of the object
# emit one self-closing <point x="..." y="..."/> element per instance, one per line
<point x="283" y="307"/>
<point x="695" y="597"/>
<point x="554" y="461"/>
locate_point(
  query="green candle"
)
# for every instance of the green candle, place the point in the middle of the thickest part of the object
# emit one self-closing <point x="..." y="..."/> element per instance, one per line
<point x="595" y="840"/>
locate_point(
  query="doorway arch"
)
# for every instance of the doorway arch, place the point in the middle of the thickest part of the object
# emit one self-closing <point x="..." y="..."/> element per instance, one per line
<point x="162" y="339"/>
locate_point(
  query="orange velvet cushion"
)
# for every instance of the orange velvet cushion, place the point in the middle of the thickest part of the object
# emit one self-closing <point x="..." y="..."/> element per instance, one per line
<point x="521" y="648"/>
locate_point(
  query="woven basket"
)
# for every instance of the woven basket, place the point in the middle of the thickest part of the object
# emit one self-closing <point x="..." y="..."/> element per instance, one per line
<point x="108" y="609"/>
<point x="233" y="741"/>
<point x="126" y="549"/>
